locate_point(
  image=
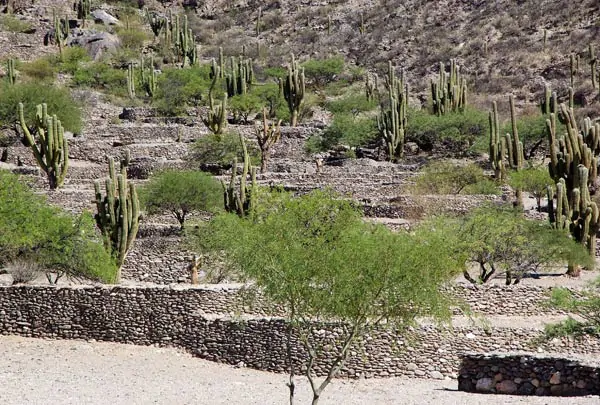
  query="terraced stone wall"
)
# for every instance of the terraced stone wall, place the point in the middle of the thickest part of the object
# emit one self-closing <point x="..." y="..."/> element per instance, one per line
<point x="213" y="323"/>
<point x="527" y="375"/>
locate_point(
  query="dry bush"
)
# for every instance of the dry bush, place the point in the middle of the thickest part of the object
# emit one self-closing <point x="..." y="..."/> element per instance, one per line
<point x="23" y="271"/>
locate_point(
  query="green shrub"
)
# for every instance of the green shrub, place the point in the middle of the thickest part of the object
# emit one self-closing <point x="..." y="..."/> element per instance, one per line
<point x="348" y="130"/>
<point x="179" y="88"/>
<point x="181" y="192"/>
<point x="72" y="59"/>
<point x="444" y="177"/>
<point x="100" y="76"/>
<point x="220" y="150"/>
<point x="132" y="38"/>
<point x="59" y="102"/>
<point x="13" y="24"/>
<point x="532" y="132"/>
<point x="351" y="104"/>
<point x="323" y="71"/>
<point x="32" y="230"/>
<point x="429" y="130"/>
<point x="40" y="70"/>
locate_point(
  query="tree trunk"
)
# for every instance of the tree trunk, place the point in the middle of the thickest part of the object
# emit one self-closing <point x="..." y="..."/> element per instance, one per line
<point x="264" y="160"/>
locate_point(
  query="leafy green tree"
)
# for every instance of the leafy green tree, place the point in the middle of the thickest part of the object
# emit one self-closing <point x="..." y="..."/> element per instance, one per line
<point x="179" y="88"/>
<point x="443" y="177"/>
<point x="59" y="101"/>
<point x="244" y="105"/>
<point x="317" y="258"/>
<point x="323" y="71"/>
<point x="181" y="192"/>
<point x="534" y="181"/>
<point x="220" y="150"/>
<point x="500" y="239"/>
<point x="34" y="231"/>
<point x="585" y="305"/>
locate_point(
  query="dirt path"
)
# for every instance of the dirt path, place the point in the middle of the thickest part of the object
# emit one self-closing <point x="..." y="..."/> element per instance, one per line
<point x="41" y="372"/>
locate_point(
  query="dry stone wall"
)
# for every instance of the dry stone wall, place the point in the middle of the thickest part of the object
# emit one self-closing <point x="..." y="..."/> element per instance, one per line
<point x="213" y="323"/>
<point x="525" y="374"/>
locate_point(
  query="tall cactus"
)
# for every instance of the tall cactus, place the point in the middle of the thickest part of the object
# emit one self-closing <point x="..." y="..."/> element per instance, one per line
<point x="593" y="65"/>
<point x="118" y="212"/>
<point x="497" y="145"/>
<point x="61" y="33"/>
<point x="516" y="155"/>
<point x="574" y="167"/>
<point x="391" y="122"/>
<point x="148" y="78"/>
<point x="157" y="23"/>
<point x="51" y="151"/>
<point x="11" y="72"/>
<point x="186" y="44"/>
<point x="266" y="136"/>
<point x="449" y="92"/>
<point x="242" y="202"/>
<point x="293" y="90"/>
<point x="131" y="81"/>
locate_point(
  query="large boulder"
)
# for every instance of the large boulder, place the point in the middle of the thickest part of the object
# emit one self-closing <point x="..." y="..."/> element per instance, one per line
<point x="95" y="43"/>
<point x="102" y="17"/>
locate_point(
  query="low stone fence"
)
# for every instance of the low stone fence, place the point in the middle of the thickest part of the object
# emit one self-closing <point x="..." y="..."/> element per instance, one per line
<point x="525" y="374"/>
<point x="188" y="318"/>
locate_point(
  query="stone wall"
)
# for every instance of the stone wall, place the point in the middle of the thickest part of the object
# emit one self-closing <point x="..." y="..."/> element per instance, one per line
<point x="214" y="324"/>
<point x="525" y="374"/>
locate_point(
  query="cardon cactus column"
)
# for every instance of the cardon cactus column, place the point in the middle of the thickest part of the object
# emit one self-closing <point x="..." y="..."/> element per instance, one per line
<point x="149" y="82"/>
<point x="293" y="90"/>
<point x="131" y="81"/>
<point x="515" y="146"/>
<point x="391" y="121"/>
<point x="118" y="212"/>
<point x="497" y="145"/>
<point x="51" y="150"/>
<point x="11" y="72"/>
<point x="242" y="202"/>
<point x="574" y="167"/>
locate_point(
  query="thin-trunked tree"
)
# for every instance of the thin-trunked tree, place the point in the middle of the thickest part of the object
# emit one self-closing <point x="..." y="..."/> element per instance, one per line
<point x="317" y="258"/>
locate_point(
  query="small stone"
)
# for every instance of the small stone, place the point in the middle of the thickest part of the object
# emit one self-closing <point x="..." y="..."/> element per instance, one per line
<point x="526" y="389"/>
<point x="436" y="375"/>
<point x="498" y="377"/>
<point x="518" y="381"/>
<point x="581" y="384"/>
<point x="555" y="379"/>
<point x="470" y="336"/>
<point x="535" y="382"/>
<point x="506" y="387"/>
<point x="411" y="367"/>
<point x="419" y="373"/>
<point x="484" y="385"/>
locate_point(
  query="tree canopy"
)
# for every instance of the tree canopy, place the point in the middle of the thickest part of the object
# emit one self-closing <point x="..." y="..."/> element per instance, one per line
<point x="60" y="243"/>
<point x="181" y="192"/>
<point x="315" y="256"/>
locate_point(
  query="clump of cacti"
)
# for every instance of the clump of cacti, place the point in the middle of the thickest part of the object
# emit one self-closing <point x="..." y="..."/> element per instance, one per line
<point x="50" y="149"/>
<point x="11" y="71"/>
<point x="505" y="147"/>
<point x="371" y="86"/>
<point x="293" y="89"/>
<point x="574" y="167"/>
<point x="449" y="91"/>
<point x="118" y="212"/>
<point x="240" y="76"/>
<point x="241" y="201"/>
<point x="185" y="44"/>
<point x="82" y="7"/>
<point x="266" y="136"/>
<point x="216" y="120"/>
<point x="157" y="23"/>
<point x="391" y="121"/>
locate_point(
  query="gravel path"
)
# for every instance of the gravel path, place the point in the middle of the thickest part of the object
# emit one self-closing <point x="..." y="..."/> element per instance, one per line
<point x="36" y="372"/>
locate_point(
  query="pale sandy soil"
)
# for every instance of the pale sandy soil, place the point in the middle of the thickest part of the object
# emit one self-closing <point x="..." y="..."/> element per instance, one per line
<point x="42" y="372"/>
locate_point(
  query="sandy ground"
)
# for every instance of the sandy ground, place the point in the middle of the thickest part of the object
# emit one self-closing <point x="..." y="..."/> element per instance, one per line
<point x="41" y="372"/>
